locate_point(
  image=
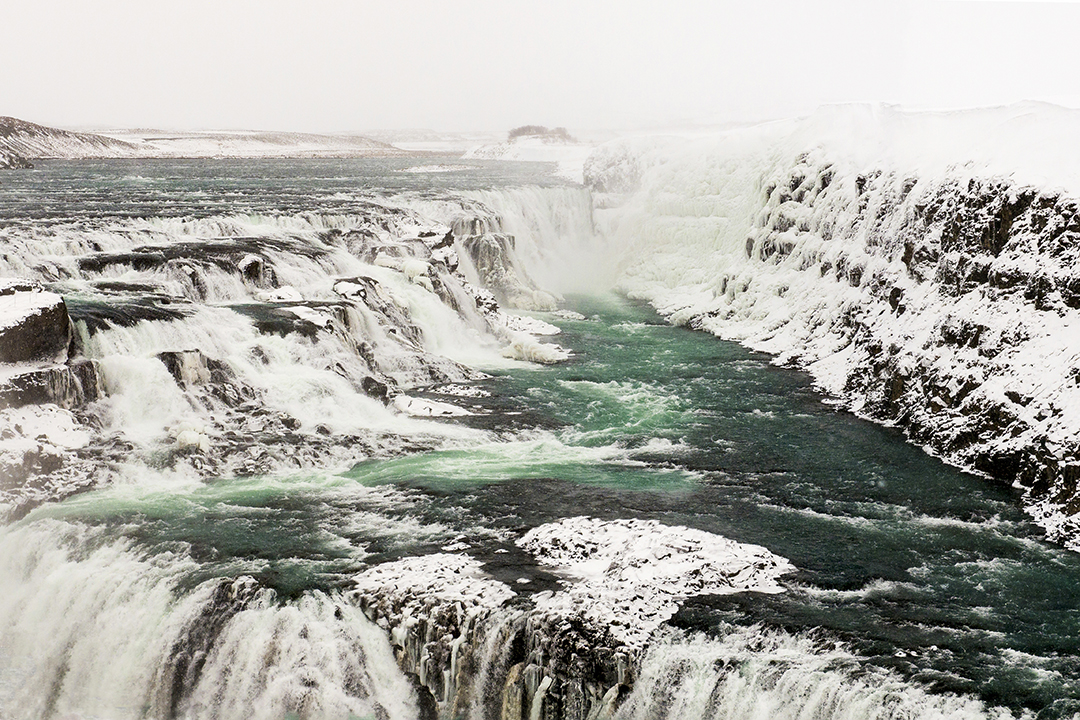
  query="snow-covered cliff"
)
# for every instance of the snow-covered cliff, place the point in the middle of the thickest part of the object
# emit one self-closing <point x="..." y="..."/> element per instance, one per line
<point x="922" y="267"/>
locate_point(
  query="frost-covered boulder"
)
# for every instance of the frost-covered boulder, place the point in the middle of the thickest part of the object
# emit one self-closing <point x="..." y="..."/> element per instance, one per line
<point x="632" y="575"/>
<point x="34" y="324"/>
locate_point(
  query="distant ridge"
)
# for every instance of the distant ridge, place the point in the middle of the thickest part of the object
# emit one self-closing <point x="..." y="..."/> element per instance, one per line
<point x="31" y="141"/>
<point x="22" y="141"/>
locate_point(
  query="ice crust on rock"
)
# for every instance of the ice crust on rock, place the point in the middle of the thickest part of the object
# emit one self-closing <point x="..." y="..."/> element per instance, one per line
<point x="631" y="575"/>
<point x="415" y="584"/>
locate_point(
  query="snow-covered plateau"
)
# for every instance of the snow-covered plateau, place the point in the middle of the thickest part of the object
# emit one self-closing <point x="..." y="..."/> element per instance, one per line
<point x="921" y="266"/>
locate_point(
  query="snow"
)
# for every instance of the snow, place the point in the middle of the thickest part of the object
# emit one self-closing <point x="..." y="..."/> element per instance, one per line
<point x="311" y="315"/>
<point x="632" y="575"/>
<point x="46" y="424"/>
<point x="16" y="307"/>
<point x="417" y="582"/>
<point x="526" y="324"/>
<point x="465" y="391"/>
<point x="418" y="407"/>
<point x="282" y="294"/>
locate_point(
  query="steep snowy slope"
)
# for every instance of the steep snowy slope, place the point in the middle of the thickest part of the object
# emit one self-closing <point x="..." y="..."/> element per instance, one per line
<point x="921" y="267"/>
<point x="29" y="140"/>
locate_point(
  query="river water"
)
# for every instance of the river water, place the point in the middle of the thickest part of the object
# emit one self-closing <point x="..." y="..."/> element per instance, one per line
<point x="919" y="590"/>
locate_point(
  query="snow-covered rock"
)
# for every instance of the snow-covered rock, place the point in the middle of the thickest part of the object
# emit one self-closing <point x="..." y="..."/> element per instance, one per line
<point x="34" y="324"/>
<point x="419" y="407"/>
<point x="629" y="576"/>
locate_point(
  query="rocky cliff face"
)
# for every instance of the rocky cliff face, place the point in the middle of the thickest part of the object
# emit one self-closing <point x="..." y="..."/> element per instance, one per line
<point x="960" y="319"/>
<point x="946" y="303"/>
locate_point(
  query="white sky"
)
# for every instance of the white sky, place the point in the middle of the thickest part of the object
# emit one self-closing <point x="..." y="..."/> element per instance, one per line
<point x="321" y="65"/>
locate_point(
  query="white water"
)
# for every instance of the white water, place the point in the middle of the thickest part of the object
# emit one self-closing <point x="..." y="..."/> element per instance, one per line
<point x="90" y="627"/>
<point x="73" y="588"/>
<point x="555" y="238"/>
<point x="760" y="674"/>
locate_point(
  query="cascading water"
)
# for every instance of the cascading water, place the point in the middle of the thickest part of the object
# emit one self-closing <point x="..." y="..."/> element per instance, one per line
<point x="320" y="482"/>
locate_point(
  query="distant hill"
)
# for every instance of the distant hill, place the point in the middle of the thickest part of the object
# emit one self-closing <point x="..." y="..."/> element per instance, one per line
<point x="30" y="140"/>
<point x="254" y="143"/>
<point x="21" y="141"/>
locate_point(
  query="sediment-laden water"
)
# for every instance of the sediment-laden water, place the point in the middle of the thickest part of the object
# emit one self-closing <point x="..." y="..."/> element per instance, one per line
<point x="883" y="583"/>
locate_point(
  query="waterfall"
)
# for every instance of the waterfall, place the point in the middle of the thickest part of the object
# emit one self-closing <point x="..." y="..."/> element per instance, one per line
<point x="100" y="628"/>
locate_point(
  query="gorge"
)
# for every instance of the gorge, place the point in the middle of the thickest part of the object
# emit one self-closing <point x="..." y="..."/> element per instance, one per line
<point x="344" y="438"/>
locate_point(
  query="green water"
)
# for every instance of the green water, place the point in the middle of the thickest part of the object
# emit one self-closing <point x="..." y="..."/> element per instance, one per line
<point x="917" y="567"/>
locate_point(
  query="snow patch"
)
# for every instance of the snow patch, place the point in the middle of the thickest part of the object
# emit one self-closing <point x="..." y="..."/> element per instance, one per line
<point x="418" y="407"/>
<point x="418" y="582"/>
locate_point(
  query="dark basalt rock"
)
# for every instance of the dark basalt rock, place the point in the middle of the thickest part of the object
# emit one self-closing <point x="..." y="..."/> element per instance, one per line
<point x="36" y="328"/>
<point x="277" y="319"/>
<point x="98" y="315"/>
<point x="68" y="386"/>
<point x="228" y="254"/>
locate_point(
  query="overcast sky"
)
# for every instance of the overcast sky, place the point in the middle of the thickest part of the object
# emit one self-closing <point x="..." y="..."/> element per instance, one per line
<point x="321" y="65"/>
